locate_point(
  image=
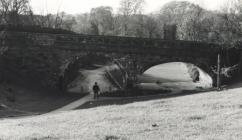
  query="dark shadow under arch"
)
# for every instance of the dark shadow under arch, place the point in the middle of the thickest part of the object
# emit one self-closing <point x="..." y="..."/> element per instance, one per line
<point x="70" y="70"/>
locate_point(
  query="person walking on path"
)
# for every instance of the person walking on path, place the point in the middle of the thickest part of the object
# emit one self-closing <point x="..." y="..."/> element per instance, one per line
<point x="96" y="90"/>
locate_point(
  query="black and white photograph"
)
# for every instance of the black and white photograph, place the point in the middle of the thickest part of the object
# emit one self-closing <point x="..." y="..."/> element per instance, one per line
<point x="120" y="69"/>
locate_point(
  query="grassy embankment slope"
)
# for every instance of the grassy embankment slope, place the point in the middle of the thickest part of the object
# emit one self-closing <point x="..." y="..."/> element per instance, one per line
<point x="211" y="115"/>
<point x="24" y="101"/>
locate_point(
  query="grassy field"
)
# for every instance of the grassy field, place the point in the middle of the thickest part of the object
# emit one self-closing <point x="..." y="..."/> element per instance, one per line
<point x="205" y="116"/>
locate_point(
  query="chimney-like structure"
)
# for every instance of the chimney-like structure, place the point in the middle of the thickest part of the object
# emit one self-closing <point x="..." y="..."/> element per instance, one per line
<point x="170" y="32"/>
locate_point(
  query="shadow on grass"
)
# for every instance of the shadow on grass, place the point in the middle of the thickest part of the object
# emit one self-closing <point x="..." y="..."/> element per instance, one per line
<point x="31" y="104"/>
<point x="112" y="138"/>
<point x="196" y="118"/>
<point x="233" y="84"/>
<point x="129" y="100"/>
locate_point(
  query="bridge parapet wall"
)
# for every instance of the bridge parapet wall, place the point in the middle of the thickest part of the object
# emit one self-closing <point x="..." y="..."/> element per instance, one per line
<point x="79" y="41"/>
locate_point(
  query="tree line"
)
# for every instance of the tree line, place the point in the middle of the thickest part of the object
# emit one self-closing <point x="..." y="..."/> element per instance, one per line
<point x="192" y="21"/>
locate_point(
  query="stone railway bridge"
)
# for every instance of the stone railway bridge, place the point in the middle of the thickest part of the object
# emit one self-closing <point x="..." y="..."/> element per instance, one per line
<point x="54" y="59"/>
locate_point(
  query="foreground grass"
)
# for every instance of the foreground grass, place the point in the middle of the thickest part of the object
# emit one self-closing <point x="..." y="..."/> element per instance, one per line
<point x="212" y="115"/>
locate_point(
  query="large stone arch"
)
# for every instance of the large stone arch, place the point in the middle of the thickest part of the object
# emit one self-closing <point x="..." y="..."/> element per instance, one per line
<point x="204" y="64"/>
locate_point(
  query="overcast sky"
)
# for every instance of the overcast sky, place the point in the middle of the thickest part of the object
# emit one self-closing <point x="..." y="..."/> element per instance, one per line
<point x="82" y="6"/>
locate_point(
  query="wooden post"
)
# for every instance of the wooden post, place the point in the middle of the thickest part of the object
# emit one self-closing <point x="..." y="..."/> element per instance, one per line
<point x="219" y="72"/>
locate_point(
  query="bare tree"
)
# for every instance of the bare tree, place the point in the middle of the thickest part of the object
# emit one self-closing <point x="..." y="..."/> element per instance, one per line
<point x="127" y="9"/>
<point x="101" y="19"/>
<point x="232" y="16"/>
<point x="19" y="6"/>
<point x="188" y="18"/>
<point x="4" y="9"/>
<point x="151" y="26"/>
<point x="174" y="12"/>
<point x="131" y="7"/>
<point x="191" y="26"/>
<point x="68" y="22"/>
<point x="12" y="9"/>
<point x="82" y="24"/>
<point x="58" y="22"/>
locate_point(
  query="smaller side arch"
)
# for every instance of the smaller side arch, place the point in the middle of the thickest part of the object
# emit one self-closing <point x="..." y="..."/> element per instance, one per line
<point x="71" y="67"/>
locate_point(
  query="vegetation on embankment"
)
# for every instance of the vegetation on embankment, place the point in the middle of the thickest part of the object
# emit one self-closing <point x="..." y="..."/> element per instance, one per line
<point x="134" y="92"/>
<point x="115" y="76"/>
